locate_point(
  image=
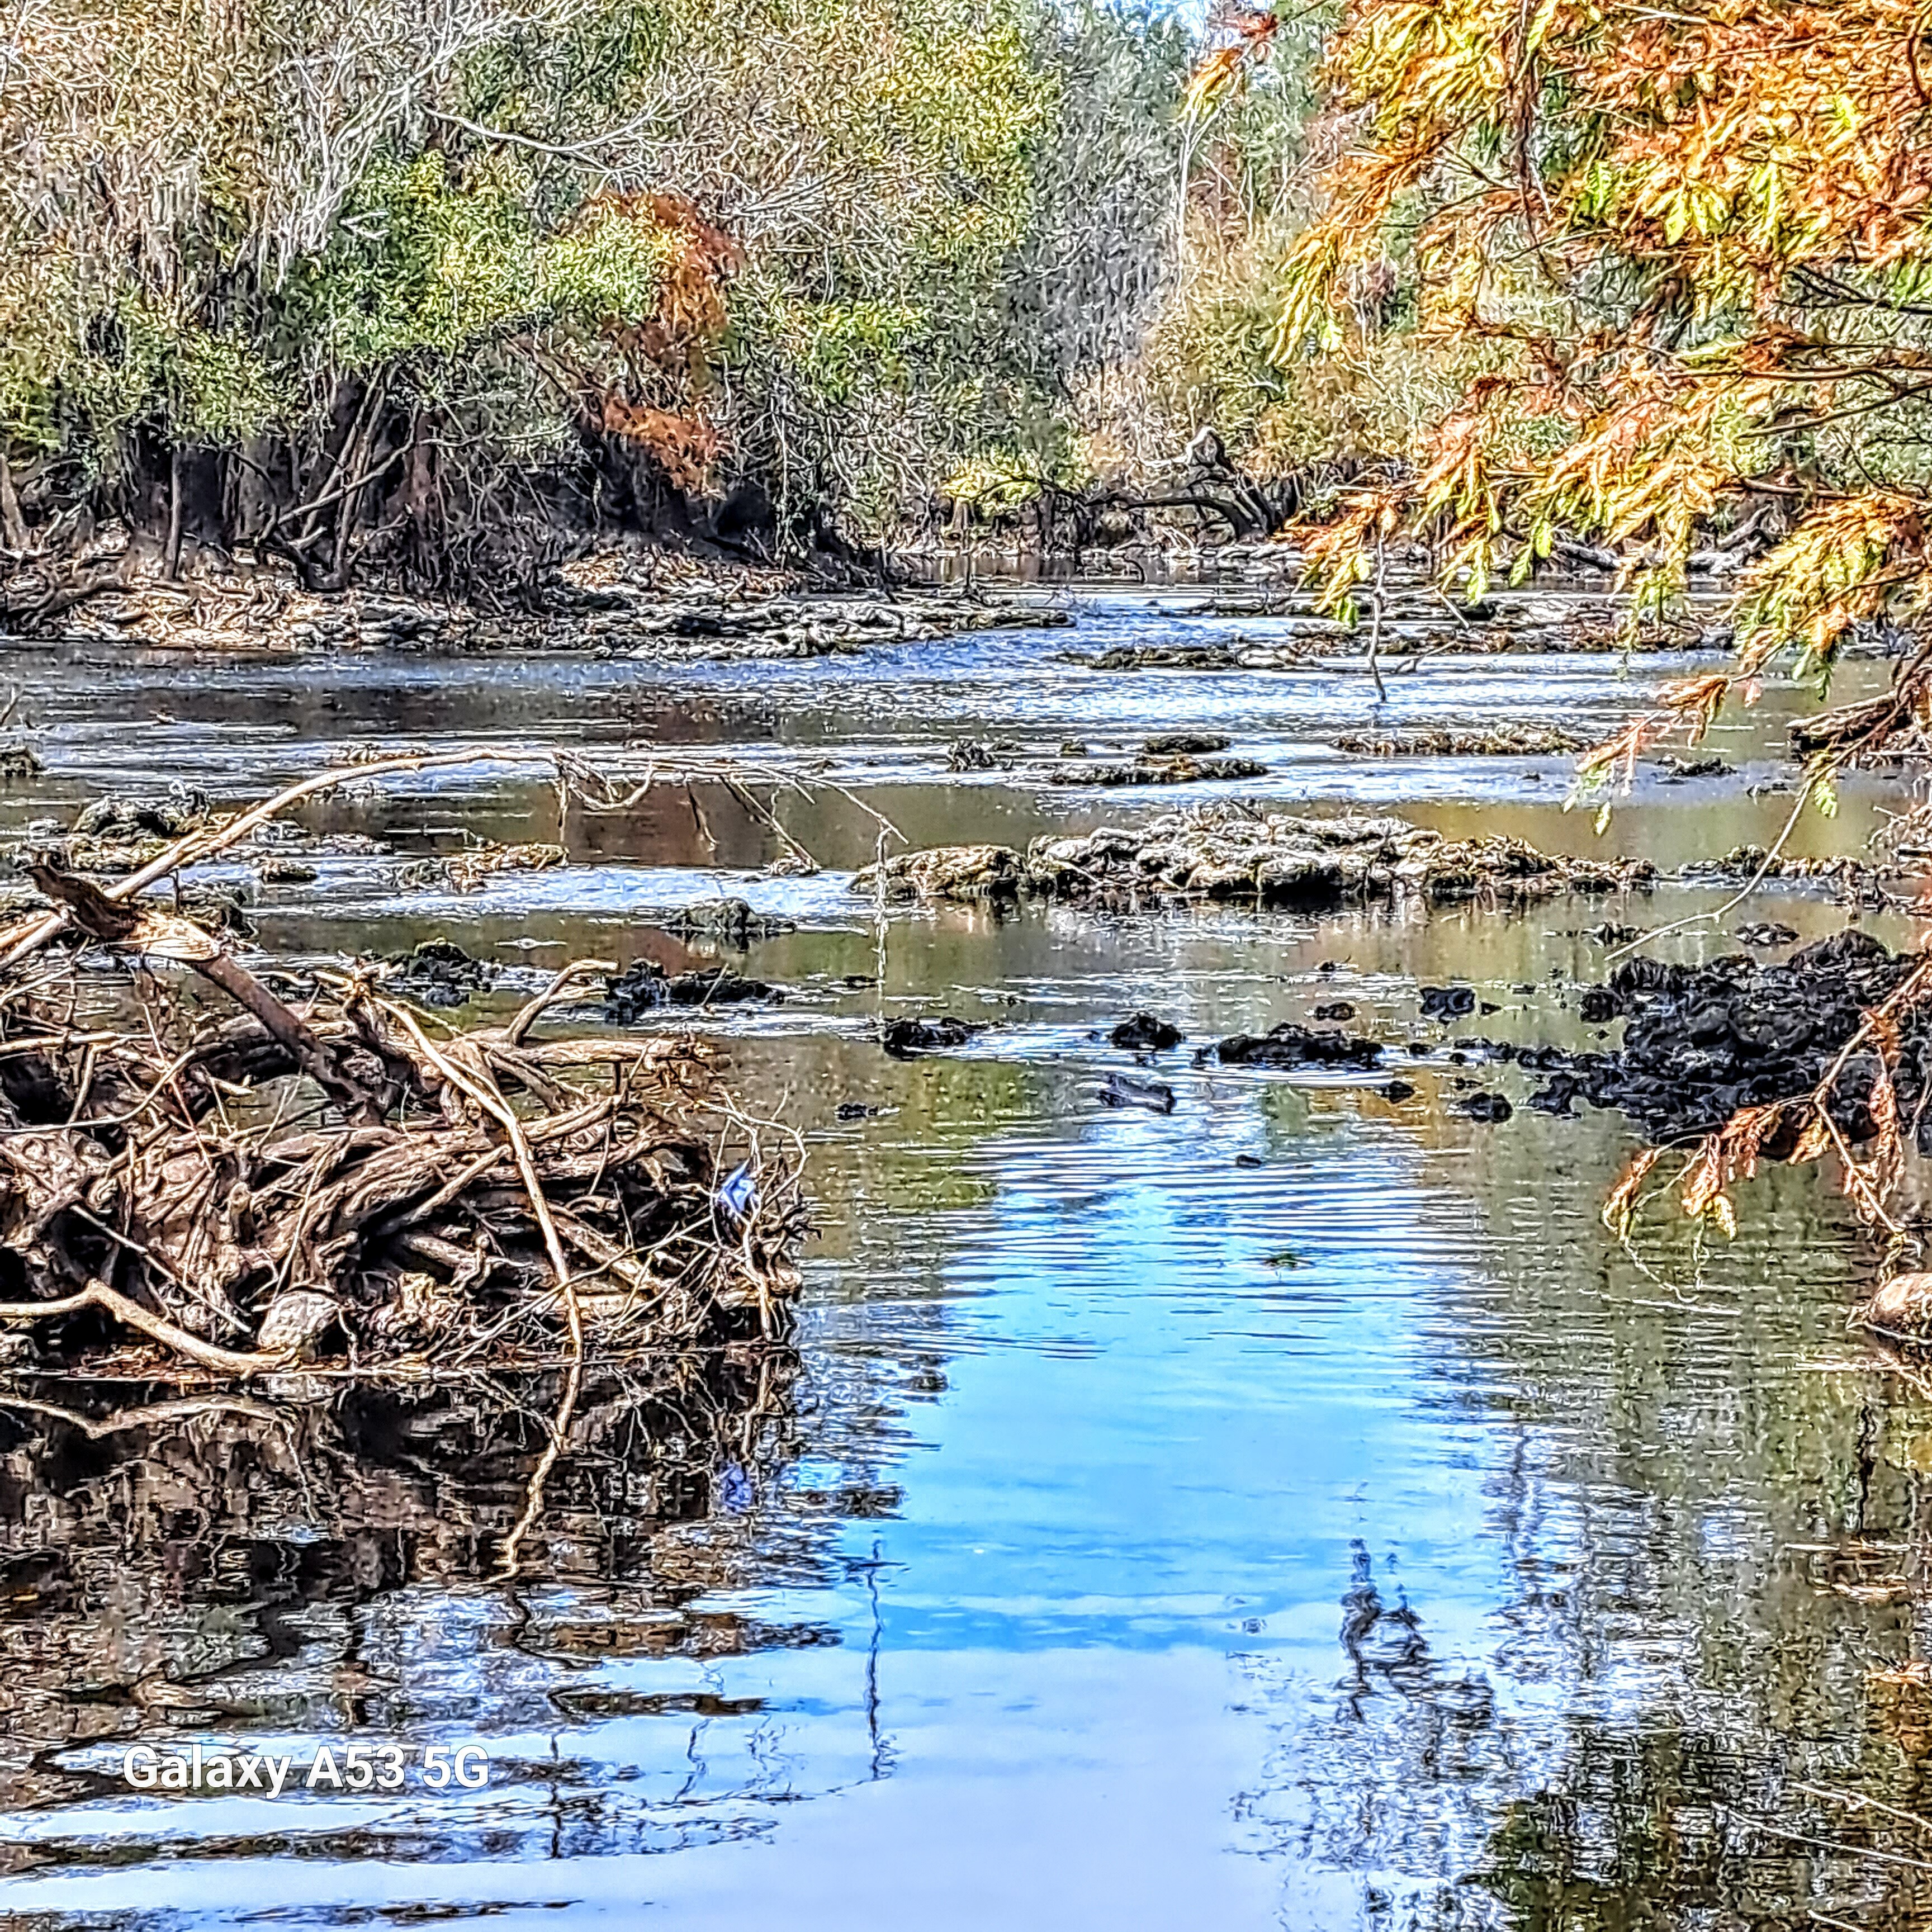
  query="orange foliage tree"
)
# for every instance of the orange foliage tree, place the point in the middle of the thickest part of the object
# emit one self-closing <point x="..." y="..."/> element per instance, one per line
<point x="1683" y="248"/>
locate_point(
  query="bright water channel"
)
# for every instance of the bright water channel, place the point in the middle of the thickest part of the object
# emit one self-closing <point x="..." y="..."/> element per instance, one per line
<point x="1295" y="1510"/>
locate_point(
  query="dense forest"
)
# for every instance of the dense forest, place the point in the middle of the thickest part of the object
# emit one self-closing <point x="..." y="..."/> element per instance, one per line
<point x="426" y="291"/>
<point x="433" y="294"/>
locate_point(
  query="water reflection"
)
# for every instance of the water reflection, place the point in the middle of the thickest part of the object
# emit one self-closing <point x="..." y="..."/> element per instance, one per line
<point x="1296" y="1509"/>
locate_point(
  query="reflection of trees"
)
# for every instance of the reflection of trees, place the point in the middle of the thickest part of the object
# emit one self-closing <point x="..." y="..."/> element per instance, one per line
<point x="1410" y="1749"/>
<point x="1717" y="1513"/>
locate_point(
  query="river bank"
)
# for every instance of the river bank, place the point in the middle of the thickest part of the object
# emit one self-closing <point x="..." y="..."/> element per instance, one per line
<point x="669" y="606"/>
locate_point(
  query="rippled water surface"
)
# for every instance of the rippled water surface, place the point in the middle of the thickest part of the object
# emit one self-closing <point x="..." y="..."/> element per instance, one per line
<point x="1295" y="1510"/>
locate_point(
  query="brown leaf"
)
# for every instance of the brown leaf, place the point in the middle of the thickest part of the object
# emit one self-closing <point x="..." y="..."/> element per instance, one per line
<point x="1622" y="1201"/>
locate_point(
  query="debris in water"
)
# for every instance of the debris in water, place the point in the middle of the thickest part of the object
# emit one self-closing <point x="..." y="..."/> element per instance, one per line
<point x="982" y="755"/>
<point x="1500" y="741"/>
<point x="465" y="872"/>
<point x="141" y="815"/>
<point x="1121" y="1090"/>
<point x="1676" y="769"/>
<point x="1144" y="771"/>
<point x="946" y="872"/>
<point x="243" y="1191"/>
<point x="1744" y="864"/>
<point x="739" y="1195"/>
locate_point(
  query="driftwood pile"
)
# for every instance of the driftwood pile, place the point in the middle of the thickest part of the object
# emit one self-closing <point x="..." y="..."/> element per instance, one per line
<point x="231" y="1174"/>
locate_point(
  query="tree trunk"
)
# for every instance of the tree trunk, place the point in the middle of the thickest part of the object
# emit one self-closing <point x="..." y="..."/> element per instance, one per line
<point x="172" y="566"/>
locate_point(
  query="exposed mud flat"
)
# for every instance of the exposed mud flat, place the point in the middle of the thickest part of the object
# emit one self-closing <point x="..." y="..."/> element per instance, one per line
<point x="1233" y="853"/>
<point x="661" y="608"/>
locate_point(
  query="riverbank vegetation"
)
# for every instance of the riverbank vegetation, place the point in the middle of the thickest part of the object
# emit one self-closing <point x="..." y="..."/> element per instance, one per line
<point x="361" y="289"/>
<point x="431" y="295"/>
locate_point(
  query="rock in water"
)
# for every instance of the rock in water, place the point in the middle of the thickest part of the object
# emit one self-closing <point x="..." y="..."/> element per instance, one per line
<point x="728" y="918"/>
<point x="134" y="815"/>
<point x="1494" y="1107"/>
<point x="1143" y="1034"/>
<point x="905" y="1039"/>
<point x="1146" y="771"/>
<point x="1184" y="745"/>
<point x="646" y="987"/>
<point x="947" y="872"/>
<point x="1235" y="853"/>
<point x="438" y="973"/>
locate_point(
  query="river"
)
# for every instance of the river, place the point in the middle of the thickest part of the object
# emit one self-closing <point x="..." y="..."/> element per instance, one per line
<point x="1294" y="1511"/>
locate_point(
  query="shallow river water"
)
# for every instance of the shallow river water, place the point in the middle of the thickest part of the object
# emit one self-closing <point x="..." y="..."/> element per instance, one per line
<point x="1294" y="1511"/>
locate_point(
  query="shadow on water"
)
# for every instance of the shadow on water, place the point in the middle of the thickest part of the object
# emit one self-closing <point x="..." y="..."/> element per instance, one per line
<point x="1296" y="1509"/>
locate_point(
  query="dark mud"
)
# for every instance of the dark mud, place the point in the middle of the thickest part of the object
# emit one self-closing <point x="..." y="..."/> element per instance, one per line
<point x="1288" y="1045"/>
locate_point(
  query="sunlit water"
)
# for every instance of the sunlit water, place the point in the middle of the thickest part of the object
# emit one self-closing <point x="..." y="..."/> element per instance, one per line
<point x="1295" y="1510"/>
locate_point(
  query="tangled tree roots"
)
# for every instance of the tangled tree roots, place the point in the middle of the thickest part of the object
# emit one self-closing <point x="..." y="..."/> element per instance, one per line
<point x="249" y="1190"/>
